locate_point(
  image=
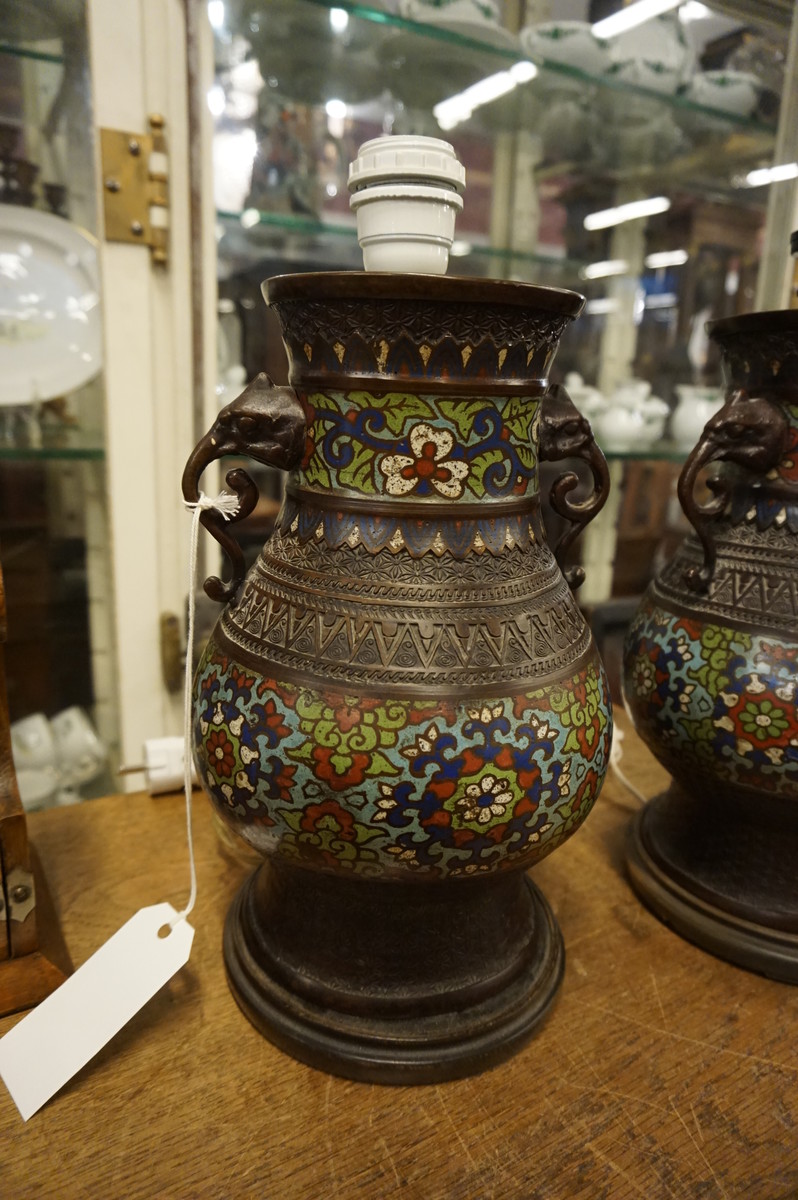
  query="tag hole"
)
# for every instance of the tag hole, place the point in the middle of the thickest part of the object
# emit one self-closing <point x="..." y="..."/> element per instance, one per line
<point x="164" y="931"/>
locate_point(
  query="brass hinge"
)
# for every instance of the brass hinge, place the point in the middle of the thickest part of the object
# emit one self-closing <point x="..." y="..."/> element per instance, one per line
<point x="135" y="171"/>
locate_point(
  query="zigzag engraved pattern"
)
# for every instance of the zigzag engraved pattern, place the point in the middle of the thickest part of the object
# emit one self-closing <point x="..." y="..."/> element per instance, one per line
<point x="467" y="325"/>
<point x="387" y="653"/>
<point x="449" y="640"/>
<point x="358" y="574"/>
<point x="750" y="580"/>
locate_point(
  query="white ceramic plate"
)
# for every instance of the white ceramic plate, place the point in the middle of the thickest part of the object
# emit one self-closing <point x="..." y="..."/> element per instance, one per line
<point x="50" y="323"/>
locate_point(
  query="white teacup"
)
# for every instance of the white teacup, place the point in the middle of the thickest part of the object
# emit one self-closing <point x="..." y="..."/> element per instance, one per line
<point x="32" y="743"/>
<point x="620" y="429"/>
<point x="695" y="407"/>
<point x="80" y="753"/>
<point x="470" y="11"/>
<point x="38" y="787"/>
<point x="570" y="43"/>
<point x="655" y="55"/>
<point x="733" y="92"/>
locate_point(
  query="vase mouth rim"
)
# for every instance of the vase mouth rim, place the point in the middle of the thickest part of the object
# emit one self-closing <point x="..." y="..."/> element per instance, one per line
<point x="777" y="320"/>
<point x="385" y="285"/>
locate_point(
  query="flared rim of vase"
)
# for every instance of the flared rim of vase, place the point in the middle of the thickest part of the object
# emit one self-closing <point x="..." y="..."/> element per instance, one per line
<point x="453" y="289"/>
<point x="777" y="320"/>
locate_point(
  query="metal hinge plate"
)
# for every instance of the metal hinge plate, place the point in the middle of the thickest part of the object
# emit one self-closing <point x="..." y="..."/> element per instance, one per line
<point x="136" y="187"/>
<point x="20" y="894"/>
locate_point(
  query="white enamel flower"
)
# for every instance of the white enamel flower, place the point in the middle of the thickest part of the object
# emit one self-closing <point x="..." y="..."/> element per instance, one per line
<point x="484" y="800"/>
<point x="426" y="466"/>
<point x="683" y="649"/>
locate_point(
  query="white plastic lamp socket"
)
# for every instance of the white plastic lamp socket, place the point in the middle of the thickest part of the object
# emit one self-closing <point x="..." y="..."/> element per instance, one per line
<point x="406" y="196"/>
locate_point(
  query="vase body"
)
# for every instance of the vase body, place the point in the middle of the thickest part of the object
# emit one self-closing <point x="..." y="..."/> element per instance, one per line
<point x="711" y="665"/>
<point x="401" y="706"/>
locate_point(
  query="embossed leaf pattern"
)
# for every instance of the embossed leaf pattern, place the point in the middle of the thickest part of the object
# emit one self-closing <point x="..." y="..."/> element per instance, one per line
<point x="521" y="416"/>
<point x="358" y="473"/>
<point x="316" y="472"/>
<point x="462" y="414"/>
<point x="399" y="408"/>
<point x="481" y="464"/>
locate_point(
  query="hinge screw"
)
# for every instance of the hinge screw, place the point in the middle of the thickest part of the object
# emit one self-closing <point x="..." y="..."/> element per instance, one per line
<point x="20" y="893"/>
<point x="134" y="147"/>
<point x="137" y="228"/>
<point x="112" y="185"/>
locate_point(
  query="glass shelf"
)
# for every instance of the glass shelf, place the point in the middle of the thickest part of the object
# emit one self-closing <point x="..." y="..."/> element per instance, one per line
<point x="329" y="244"/>
<point x="584" y="139"/>
<point x="551" y="71"/>
<point x="20" y="50"/>
<point x="538" y="161"/>
<point x="376" y="38"/>
<point x="54" y="444"/>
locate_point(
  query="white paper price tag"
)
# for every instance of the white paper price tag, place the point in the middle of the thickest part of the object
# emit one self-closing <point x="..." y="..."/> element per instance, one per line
<point x="51" y="1044"/>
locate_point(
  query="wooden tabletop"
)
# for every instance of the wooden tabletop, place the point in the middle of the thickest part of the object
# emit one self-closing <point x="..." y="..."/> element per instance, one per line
<point x="662" y="1072"/>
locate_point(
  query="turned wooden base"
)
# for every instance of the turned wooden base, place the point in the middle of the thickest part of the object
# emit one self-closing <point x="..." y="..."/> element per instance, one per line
<point x="393" y="983"/>
<point x="721" y="876"/>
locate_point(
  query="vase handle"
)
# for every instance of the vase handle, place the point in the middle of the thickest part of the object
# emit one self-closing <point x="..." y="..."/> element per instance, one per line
<point x="749" y="431"/>
<point x="265" y="422"/>
<point x="565" y="433"/>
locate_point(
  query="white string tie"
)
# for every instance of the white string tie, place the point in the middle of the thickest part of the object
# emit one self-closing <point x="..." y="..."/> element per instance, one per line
<point x="616" y="755"/>
<point x="227" y="504"/>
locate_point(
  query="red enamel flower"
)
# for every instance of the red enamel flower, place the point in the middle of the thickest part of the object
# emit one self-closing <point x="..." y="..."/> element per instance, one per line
<point x="274" y="719"/>
<point x="242" y="682"/>
<point x="347" y="715"/>
<point x="220" y="752"/>
<point x="329" y="815"/>
<point x="325" y="770"/>
<point x="284" y="781"/>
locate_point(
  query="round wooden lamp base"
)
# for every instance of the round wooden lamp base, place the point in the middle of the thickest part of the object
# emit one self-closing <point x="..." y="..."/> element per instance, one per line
<point x="393" y="982"/>
<point x="728" y="886"/>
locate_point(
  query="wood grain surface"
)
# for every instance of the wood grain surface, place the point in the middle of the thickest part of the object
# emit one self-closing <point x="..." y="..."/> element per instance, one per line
<point x="662" y="1072"/>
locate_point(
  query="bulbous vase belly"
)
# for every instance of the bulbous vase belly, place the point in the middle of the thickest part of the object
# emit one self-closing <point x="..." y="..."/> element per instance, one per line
<point x="426" y="718"/>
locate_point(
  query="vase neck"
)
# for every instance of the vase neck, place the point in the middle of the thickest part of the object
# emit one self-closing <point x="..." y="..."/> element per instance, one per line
<point x="396" y="447"/>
